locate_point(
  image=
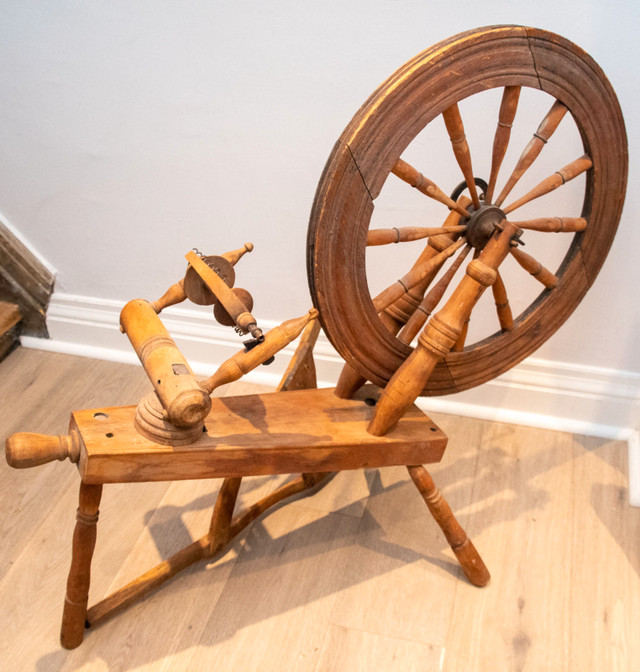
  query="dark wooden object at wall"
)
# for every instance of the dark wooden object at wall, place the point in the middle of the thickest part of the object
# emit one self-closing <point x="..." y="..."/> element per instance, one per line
<point x="179" y="432"/>
<point x="10" y="323"/>
<point x="24" y="281"/>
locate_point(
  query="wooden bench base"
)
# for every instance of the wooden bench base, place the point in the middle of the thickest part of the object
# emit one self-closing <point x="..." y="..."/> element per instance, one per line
<point x="311" y="432"/>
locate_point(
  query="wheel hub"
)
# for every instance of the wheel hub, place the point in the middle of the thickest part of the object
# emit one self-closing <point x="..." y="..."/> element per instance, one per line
<point x="482" y="224"/>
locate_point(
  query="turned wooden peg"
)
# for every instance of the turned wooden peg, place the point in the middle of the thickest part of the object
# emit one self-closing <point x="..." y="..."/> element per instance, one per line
<point x="503" y="309"/>
<point x="459" y="344"/>
<point x="540" y="138"/>
<point x="84" y="541"/>
<point x="396" y="314"/>
<point x="231" y="302"/>
<point x="468" y="557"/>
<point x="184" y="401"/>
<point x="414" y="276"/>
<point x="408" y="233"/>
<point x="221" y="314"/>
<point x="554" y="181"/>
<point x="507" y="114"/>
<point x="431" y="300"/>
<point x="219" y="529"/>
<point x="244" y="361"/>
<point x="234" y="256"/>
<point x="535" y="268"/>
<point x="407" y="173"/>
<point x="195" y="287"/>
<point x="175" y="294"/>
<point x="25" y="450"/>
<point x="554" y="224"/>
<point x="455" y="128"/>
<point x="349" y="382"/>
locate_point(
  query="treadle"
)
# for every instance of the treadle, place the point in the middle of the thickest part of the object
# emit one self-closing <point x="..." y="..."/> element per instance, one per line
<point x="300" y="431"/>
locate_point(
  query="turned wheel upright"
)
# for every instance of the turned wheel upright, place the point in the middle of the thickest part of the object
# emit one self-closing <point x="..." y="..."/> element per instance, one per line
<point x="374" y="333"/>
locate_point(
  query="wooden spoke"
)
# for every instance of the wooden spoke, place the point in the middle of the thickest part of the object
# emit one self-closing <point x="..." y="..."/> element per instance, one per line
<point x="506" y="116"/>
<point x="408" y="233"/>
<point x="395" y="316"/>
<point x="407" y="173"/>
<point x="554" y="181"/>
<point x="413" y="277"/>
<point x="554" y="224"/>
<point x="533" y="266"/>
<point x="431" y="300"/>
<point x="502" y="304"/>
<point x="459" y="344"/>
<point x="531" y="151"/>
<point x="455" y="128"/>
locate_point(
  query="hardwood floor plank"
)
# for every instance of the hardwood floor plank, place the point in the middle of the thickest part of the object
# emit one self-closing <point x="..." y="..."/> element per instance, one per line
<point x="359" y="651"/>
<point x="275" y="608"/>
<point x="523" y="509"/>
<point x="398" y="554"/>
<point x="346" y="493"/>
<point x="605" y="556"/>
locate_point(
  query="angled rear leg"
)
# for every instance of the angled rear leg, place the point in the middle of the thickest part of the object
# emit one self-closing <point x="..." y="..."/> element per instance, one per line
<point x="468" y="557"/>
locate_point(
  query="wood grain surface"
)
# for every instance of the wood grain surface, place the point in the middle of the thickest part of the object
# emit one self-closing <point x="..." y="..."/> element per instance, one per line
<point x="300" y="431"/>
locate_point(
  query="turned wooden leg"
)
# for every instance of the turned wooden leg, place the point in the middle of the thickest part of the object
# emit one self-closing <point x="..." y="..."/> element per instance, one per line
<point x="349" y="382"/>
<point x="222" y="514"/>
<point x="84" y="541"/>
<point x="465" y="551"/>
<point x="442" y="331"/>
<point x="221" y="527"/>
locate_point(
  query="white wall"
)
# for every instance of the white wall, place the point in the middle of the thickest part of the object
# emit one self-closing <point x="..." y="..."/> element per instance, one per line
<point x="133" y="131"/>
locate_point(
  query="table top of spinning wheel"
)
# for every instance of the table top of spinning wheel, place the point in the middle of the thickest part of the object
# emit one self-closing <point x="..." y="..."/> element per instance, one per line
<point x="282" y="432"/>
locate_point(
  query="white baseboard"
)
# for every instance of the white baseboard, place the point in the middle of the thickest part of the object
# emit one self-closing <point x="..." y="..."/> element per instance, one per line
<point x="553" y="395"/>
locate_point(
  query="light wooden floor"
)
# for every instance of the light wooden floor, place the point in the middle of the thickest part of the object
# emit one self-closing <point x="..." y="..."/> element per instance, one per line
<point x="356" y="577"/>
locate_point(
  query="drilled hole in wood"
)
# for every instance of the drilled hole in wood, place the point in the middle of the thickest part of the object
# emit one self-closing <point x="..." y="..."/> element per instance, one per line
<point x="370" y="401"/>
<point x="100" y="416"/>
<point x="109" y="435"/>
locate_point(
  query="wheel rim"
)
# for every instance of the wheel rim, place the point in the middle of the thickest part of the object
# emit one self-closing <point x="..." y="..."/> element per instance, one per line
<point x="379" y="133"/>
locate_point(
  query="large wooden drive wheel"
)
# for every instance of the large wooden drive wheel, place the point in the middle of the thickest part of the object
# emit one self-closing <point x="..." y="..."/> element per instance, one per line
<point x="374" y="334"/>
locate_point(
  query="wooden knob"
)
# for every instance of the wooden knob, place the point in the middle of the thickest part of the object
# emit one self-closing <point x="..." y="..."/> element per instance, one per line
<point x="221" y="314"/>
<point x="234" y="256"/>
<point x="30" y="450"/>
<point x="175" y="294"/>
<point x="244" y="361"/>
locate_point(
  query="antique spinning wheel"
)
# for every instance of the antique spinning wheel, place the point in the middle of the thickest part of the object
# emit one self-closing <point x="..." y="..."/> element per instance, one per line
<point x="179" y="432"/>
<point x="370" y="333"/>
